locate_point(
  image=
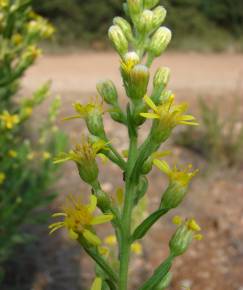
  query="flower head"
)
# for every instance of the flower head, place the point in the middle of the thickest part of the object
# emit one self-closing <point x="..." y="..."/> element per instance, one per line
<point x="168" y="114"/>
<point x="84" y="155"/>
<point x="8" y="120"/>
<point x="183" y="177"/>
<point x="79" y="219"/>
<point x="187" y="231"/>
<point x="92" y="113"/>
<point x="178" y="185"/>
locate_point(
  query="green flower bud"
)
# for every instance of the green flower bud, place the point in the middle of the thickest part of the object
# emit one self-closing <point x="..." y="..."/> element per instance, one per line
<point x="183" y="236"/>
<point x="139" y="78"/>
<point x="145" y="23"/>
<point x="103" y="200"/>
<point x="125" y="27"/>
<point x="159" y="14"/>
<point x="135" y="7"/>
<point x="160" y="41"/>
<point x="148" y="4"/>
<point x="95" y="124"/>
<point x="173" y="195"/>
<point x="165" y="282"/>
<point x="118" y="39"/>
<point x="117" y="115"/>
<point x="107" y="91"/>
<point x="161" y="77"/>
<point x="181" y="240"/>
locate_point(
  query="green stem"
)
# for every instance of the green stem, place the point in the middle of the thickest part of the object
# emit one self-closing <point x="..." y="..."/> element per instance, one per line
<point x="92" y="252"/>
<point x="120" y="161"/>
<point x="126" y="217"/>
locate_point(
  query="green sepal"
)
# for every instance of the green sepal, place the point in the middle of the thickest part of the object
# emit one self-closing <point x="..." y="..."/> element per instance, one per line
<point x="144" y="227"/>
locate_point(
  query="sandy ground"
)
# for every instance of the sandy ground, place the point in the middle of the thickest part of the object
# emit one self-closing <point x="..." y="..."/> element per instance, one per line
<point x="210" y="73"/>
<point x="215" y="197"/>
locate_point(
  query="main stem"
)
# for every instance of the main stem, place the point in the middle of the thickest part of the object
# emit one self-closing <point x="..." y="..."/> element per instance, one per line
<point x="126" y="217"/>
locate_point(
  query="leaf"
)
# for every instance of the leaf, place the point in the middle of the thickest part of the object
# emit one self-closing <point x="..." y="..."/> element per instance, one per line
<point x="158" y="274"/>
<point x="143" y="228"/>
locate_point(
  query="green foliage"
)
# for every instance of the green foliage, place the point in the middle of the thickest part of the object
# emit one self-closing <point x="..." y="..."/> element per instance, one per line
<point x="26" y="167"/>
<point x="220" y="138"/>
<point x="197" y="24"/>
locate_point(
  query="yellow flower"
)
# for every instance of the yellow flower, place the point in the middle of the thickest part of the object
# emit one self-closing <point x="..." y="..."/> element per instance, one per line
<point x="84" y="111"/>
<point x="136" y="248"/>
<point x="9" y="121"/>
<point x="3" y="3"/>
<point x="110" y="240"/>
<point x="183" y="177"/>
<point x="17" y="39"/>
<point x="97" y="284"/>
<point x="2" y="177"/>
<point x="32" y="52"/>
<point x="83" y="153"/>
<point x="84" y="156"/>
<point x="46" y="155"/>
<point x="12" y="153"/>
<point x="168" y="114"/>
<point x="79" y="219"/>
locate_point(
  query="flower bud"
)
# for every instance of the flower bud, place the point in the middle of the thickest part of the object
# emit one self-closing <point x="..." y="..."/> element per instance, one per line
<point x="118" y="39"/>
<point x="129" y="61"/>
<point x="95" y="124"/>
<point x="125" y="27"/>
<point x="161" y="78"/>
<point x="148" y="4"/>
<point x="135" y="7"/>
<point x="160" y="41"/>
<point x="107" y="91"/>
<point x="165" y="282"/>
<point x="139" y="78"/>
<point x="145" y="23"/>
<point x="173" y="195"/>
<point x="159" y="14"/>
<point x="183" y="237"/>
<point x="117" y="115"/>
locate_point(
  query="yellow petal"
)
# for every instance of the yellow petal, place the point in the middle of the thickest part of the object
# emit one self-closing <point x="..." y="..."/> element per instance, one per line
<point x="193" y="225"/>
<point x="163" y="166"/>
<point x="91" y="238"/>
<point x="104" y="218"/>
<point x="97" y="284"/>
<point x="92" y="205"/>
<point x="58" y="214"/>
<point x="149" y="115"/>
<point x="150" y="103"/>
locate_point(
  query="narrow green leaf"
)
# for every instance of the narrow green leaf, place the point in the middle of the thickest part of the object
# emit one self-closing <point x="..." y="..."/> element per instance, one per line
<point x="143" y="228"/>
<point x="158" y="274"/>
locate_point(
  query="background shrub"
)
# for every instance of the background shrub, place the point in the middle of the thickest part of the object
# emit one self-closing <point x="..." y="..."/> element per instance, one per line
<point x="197" y="24"/>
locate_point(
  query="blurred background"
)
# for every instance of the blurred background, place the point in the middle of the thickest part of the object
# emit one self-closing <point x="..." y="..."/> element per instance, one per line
<point x="207" y="71"/>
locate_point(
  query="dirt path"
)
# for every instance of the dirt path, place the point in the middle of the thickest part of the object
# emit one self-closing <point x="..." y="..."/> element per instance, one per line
<point x="195" y="73"/>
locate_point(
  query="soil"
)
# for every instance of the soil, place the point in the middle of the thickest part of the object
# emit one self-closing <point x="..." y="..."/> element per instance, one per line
<point x="215" y="198"/>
